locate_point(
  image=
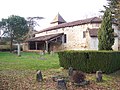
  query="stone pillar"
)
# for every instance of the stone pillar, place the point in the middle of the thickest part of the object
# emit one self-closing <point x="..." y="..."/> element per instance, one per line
<point x="18" y="49"/>
<point x="62" y="38"/>
<point x="36" y="45"/>
<point x="46" y="42"/>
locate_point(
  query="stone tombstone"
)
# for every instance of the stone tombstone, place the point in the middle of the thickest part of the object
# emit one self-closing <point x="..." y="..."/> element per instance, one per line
<point x="70" y="71"/>
<point x="99" y="76"/>
<point x="39" y="77"/>
<point x="61" y="84"/>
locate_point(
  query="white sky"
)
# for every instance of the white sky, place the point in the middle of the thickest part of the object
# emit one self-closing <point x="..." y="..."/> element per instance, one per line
<point x="70" y="10"/>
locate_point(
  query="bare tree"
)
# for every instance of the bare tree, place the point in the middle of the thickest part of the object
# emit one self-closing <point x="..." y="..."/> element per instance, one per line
<point x="32" y="22"/>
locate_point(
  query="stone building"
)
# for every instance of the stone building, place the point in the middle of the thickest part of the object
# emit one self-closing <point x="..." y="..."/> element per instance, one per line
<point x="76" y="35"/>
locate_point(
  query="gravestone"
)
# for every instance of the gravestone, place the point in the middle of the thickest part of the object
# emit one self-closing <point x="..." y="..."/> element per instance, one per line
<point x="70" y="71"/>
<point x="98" y="76"/>
<point x="39" y="77"/>
<point x="61" y="84"/>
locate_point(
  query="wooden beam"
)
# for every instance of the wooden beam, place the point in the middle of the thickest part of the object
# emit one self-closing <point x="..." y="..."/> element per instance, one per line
<point x="54" y="38"/>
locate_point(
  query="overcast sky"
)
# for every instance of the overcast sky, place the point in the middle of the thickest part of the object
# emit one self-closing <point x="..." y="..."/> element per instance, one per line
<point x="70" y="10"/>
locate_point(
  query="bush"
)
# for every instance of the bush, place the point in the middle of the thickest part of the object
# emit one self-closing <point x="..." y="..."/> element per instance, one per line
<point x="90" y="61"/>
<point x="6" y="48"/>
<point x="78" y="77"/>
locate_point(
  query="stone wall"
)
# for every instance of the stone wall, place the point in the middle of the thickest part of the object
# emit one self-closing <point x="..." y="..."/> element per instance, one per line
<point x="75" y="40"/>
<point x="25" y="47"/>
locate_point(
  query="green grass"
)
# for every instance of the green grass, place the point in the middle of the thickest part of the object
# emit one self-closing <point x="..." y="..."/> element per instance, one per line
<point x="28" y="61"/>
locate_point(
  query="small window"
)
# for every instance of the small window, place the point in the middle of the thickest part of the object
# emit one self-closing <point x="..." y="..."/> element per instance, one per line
<point x="84" y="34"/>
<point x="65" y="38"/>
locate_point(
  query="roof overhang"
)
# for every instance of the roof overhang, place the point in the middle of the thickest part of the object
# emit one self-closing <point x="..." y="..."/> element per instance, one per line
<point x="45" y="38"/>
<point x="94" y="32"/>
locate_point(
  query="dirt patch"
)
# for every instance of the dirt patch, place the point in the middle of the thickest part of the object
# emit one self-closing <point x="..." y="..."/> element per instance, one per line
<point x="26" y="80"/>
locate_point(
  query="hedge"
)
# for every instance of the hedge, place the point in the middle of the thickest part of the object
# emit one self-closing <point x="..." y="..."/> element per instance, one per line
<point x="6" y="48"/>
<point x="90" y="61"/>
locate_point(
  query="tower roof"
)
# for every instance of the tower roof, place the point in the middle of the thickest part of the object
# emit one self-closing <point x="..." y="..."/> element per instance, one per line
<point x="58" y="19"/>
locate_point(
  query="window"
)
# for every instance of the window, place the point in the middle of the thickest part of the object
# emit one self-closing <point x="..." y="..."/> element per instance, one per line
<point x="65" y="38"/>
<point x="84" y="34"/>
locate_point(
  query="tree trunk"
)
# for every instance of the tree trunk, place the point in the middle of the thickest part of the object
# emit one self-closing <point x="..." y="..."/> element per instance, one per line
<point x="11" y="44"/>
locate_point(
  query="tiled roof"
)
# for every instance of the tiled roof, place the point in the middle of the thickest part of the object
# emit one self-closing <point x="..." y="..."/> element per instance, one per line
<point x="45" y="38"/>
<point x="59" y="19"/>
<point x="74" y="23"/>
<point x="94" y="32"/>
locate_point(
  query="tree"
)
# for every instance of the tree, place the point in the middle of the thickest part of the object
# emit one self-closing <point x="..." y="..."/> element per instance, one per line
<point x="106" y="33"/>
<point x="14" y="27"/>
<point x="114" y="6"/>
<point x="31" y="24"/>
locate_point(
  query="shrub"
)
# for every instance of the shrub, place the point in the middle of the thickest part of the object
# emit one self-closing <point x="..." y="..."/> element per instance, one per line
<point x="6" y="48"/>
<point x="78" y="77"/>
<point x="90" y="61"/>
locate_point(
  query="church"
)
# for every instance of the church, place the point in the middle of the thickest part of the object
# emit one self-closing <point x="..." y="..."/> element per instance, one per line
<point x="76" y="35"/>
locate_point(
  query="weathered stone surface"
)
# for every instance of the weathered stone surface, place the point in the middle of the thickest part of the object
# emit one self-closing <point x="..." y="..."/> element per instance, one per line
<point x="61" y="84"/>
<point x="99" y="76"/>
<point x="82" y="83"/>
<point x="70" y="71"/>
<point x="39" y="77"/>
<point x="56" y="78"/>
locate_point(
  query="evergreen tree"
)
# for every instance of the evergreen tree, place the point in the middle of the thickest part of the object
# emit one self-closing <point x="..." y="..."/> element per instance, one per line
<point x="106" y="33"/>
<point x="114" y="6"/>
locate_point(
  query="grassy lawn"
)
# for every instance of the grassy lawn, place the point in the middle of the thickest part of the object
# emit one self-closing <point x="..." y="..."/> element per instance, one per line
<point x="31" y="61"/>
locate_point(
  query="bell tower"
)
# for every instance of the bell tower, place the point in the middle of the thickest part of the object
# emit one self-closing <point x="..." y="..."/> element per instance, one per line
<point x="57" y="20"/>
